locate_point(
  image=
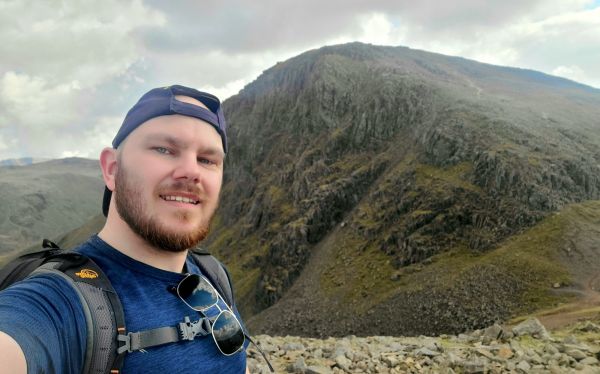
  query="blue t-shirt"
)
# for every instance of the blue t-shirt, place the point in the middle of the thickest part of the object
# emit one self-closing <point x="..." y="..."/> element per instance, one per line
<point x="44" y="316"/>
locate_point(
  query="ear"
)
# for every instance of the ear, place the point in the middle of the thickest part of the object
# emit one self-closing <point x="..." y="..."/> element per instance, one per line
<point x="108" y="163"/>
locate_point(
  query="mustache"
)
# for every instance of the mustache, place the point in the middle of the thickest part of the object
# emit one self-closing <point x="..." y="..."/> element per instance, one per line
<point x="180" y="186"/>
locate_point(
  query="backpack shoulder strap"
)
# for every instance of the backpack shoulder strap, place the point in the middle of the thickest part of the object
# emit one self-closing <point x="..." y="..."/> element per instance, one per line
<point x="101" y="305"/>
<point x="20" y="267"/>
<point x="216" y="272"/>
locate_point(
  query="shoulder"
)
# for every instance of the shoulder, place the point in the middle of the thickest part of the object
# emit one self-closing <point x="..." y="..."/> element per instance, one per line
<point x="44" y="316"/>
<point x="41" y="290"/>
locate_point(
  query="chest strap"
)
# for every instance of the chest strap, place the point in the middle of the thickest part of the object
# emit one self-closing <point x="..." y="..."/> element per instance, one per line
<point x="186" y="330"/>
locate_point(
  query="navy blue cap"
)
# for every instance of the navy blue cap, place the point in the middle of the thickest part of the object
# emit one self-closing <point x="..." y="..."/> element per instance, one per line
<point x="162" y="102"/>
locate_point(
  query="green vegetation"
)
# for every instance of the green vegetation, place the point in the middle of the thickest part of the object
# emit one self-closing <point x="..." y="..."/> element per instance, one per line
<point x="357" y="277"/>
<point x="532" y="258"/>
<point x="440" y="179"/>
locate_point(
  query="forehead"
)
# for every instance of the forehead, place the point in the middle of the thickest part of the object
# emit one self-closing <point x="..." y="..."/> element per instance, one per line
<point x="183" y="130"/>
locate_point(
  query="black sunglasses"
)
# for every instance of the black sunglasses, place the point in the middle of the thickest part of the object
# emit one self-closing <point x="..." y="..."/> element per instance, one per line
<point x="199" y="294"/>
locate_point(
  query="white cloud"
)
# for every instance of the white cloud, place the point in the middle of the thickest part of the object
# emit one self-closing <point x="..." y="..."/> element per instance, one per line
<point x="3" y="145"/>
<point x="86" y="41"/>
<point x="34" y="103"/>
<point x="230" y="89"/>
<point x="70" y="70"/>
<point x="572" y="72"/>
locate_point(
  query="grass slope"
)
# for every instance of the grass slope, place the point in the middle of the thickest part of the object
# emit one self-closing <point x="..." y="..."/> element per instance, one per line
<point x="358" y="291"/>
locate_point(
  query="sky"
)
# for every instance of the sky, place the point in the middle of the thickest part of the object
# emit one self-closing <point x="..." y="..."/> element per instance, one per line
<point x="70" y="70"/>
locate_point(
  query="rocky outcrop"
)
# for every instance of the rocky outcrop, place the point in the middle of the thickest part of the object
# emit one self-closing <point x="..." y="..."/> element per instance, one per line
<point x="525" y="348"/>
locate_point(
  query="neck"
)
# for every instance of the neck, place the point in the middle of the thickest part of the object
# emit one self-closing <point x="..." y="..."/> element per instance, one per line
<point x="120" y="236"/>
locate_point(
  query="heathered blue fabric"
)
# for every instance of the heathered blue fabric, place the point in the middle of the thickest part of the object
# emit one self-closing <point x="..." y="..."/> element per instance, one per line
<point x="44" y="316"/>
<point x="147" y="304"/>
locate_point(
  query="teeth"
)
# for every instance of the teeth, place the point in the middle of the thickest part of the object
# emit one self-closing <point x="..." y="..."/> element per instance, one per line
<point x="180" y="199"/>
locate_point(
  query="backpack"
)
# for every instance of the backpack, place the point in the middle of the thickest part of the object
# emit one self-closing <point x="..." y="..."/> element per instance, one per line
<point x="107" y="337"/>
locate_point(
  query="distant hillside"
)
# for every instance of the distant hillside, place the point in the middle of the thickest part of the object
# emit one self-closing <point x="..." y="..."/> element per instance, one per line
<point x="44" y="200"/>
<point x="21" y="161"/>
<point x="389" y="158"/>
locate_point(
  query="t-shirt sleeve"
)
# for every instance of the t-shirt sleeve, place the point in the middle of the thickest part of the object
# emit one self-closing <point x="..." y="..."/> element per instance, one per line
<point x="44" y="315"/>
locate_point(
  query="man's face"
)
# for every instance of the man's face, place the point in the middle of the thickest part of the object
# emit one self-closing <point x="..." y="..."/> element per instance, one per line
<point x="169" y="175"/>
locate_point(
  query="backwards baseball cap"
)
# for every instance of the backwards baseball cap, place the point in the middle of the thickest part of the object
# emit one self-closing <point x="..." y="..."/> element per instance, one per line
<point x="162" y="102"/>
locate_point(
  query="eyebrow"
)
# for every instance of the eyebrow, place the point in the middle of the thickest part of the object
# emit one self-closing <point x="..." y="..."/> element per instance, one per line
<point x="182" y="144"/>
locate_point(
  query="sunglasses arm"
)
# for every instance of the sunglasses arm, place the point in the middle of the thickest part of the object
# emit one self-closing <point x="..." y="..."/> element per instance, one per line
<point x="261" y="352"/>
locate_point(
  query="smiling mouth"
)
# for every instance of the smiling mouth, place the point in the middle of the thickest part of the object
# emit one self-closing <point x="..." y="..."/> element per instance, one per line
<point x="180" y="199"/>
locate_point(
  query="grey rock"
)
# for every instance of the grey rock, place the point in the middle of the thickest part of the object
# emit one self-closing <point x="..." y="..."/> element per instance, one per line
<point x="343" y="362"/>
<point x="293" y="347"/>
<point x="570" y="339"/>
<point x="454" y="359"/>
<point x="492" y="333"/>
<point x="580" y="346"/>
<point x="532" y="327"/>
<point x="318" y="370"/>
<point x="551" y="349"/>
<point x="589" y="369"/>
<point x="475" y="366"/>
<point x="317" y="353"/>
<point x="589" y="361"/>
<point x="432" y="345"/>
<point x="576" y="354"/>
<point x="390" y="360"/>
<point x="523" y="366"/>
<point x="425" y="352"/>
<point x="298" y="367"/>
<point x="588" y="326"/>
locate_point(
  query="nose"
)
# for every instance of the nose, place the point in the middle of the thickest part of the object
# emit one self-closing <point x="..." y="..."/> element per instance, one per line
<point x="187" y="168"/>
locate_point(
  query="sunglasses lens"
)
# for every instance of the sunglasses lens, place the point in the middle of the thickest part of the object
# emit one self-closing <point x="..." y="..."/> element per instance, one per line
<point x="228" y="333"/>
<point x="197" y="292"/>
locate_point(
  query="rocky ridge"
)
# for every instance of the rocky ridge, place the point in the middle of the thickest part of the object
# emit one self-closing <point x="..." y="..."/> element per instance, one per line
<point x="526" y="348"/>
<point x="402" y="156"/>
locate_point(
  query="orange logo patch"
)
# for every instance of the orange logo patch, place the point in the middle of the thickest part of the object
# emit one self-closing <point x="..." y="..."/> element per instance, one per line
<point x="87" y="273"/>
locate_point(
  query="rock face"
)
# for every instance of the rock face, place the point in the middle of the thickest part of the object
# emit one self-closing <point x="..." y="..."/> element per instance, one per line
<point x="397" y="153"/>
<point x="477" y="352"/>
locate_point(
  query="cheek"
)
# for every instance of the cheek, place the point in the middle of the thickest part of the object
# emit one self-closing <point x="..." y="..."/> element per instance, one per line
<point x="213" y="185"/>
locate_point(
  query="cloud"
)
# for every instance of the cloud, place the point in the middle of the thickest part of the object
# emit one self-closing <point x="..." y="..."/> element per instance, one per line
<point x="242" y="27"/>
<point x="56" y="57"/>
<point x="3" y="145"/>
<point x="548" y="39"/>
<point x="572" y="72"/>
<point x="86" y="41"/>
<point x="32" y="102"/>
<point x="70" y="70"/>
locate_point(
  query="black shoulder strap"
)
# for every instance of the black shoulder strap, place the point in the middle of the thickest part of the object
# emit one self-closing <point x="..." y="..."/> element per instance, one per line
<point x="19" y="268"/>
<point x="216" y="273"/>
<point x="102" y="308"/>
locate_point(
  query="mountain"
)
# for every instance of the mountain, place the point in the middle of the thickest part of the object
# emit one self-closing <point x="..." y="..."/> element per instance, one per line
<point x="388" y="191"/>
<point x="44" y="200"/>
<point x="351" y="166"/>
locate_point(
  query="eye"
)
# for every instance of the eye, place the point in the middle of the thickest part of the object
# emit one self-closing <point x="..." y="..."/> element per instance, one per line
<point x="206" y="161"/>
<point x="162" y="150"/>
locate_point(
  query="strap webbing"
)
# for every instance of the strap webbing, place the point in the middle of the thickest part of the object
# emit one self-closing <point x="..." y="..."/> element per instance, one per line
<point x="186" y="330"/>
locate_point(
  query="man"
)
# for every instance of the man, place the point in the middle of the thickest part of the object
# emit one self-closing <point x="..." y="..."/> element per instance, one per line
<point x="163" y="178"/>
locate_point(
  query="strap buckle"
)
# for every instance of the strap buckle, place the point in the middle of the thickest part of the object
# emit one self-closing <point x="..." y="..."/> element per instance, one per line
<point x="188" y="330"/>
<point x="125" y="347"/>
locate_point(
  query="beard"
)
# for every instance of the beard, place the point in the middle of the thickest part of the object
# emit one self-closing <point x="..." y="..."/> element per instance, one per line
<point x="131" y="208"/>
